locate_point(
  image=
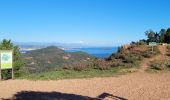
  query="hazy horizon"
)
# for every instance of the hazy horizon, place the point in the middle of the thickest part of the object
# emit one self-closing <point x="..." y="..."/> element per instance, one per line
<point x="63" y="45"/>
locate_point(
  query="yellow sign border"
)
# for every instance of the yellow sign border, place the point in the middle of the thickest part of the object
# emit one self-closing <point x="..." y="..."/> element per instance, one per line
<point x="11" y="51"/>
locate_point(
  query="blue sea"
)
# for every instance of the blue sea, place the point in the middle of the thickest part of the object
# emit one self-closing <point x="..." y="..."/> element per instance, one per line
<point x="99" y="52"/>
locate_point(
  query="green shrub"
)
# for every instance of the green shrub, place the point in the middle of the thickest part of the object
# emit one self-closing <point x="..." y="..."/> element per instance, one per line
<point x="6" y="74"/>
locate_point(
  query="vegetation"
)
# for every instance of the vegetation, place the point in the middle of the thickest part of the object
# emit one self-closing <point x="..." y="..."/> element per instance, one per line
<point x="168" y="51"/>
<point x="160" y="37"/>
<point x="133" y="55"/>
<point x="18" y="63"/>
<point x="125" y="60"/>
<point x="54" y="63"/>
<point x="70" y="74"/>
<point x="52" y="58"/>
<point x="160" y="65"/>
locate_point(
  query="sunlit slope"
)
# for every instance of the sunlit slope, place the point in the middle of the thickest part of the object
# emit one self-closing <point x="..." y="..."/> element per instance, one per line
<point x="51" y="58"/>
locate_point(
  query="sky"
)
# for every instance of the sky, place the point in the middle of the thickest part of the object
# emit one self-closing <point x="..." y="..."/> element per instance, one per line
<point x="88" y="22"/>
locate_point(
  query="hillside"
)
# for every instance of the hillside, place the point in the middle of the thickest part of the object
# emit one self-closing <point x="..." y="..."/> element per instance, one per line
<point x="51" y="58"/>
<point x="132" y="55"/>
<point x="141" y="84"/>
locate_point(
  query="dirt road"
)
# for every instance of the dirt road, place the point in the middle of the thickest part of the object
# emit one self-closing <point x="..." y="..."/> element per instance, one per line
<point x="135" y="86"/>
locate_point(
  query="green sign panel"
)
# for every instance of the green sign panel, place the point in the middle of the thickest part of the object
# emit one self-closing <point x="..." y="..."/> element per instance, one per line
<point x="152" y="43"/>
<point x="6" y="59"/>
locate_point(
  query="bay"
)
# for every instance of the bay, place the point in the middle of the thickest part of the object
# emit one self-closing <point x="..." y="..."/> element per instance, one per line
<point x="99" y="52"/>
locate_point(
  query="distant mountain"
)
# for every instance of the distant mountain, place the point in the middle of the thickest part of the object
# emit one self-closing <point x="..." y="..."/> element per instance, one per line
<point x="35" y="45"/>
<point x="51" y="58"/>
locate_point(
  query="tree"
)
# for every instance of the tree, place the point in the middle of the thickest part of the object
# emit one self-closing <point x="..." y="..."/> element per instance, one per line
<point x="18" y="63"/>
<point x="167" y="36"/>
<point x="151" y="36"/>
<point x="162" y="35"/>
<point x="157" y="37"/>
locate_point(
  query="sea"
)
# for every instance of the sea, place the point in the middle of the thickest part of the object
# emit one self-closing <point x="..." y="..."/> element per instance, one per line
<point x="98" y="52"/>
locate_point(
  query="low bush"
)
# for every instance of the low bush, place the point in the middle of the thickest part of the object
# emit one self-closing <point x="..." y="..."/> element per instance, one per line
<point x="78" y="66"/>
<point x="168" y="50"/>
<point x="147" y="55"/>
<point x="160" y="65"/>
<point x="168" y="54"/>
<point x="117" y="63"/>
<point x="168" y="47"/>
<point x="102" y="64"/>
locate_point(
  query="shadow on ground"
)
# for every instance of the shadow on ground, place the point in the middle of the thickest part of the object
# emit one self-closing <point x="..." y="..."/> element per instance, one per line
<point x="32" y="95"/>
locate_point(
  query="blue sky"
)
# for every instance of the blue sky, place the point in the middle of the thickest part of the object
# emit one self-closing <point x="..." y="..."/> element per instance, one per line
<point x="89" y="22"/>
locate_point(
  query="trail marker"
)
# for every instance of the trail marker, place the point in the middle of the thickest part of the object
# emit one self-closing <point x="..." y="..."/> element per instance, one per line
<point x="152" y="44"/>
<point x="6" y="61"/>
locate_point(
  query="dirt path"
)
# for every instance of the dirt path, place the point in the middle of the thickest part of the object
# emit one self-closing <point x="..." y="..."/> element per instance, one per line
<point x="163" y="49"/>
<point x="146" y="63"/>
<point x="134" y="86"/>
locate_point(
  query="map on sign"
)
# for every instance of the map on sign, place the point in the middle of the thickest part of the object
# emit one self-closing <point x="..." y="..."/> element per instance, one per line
<point x="152" y="43"/>
<point x="6" y="59"/>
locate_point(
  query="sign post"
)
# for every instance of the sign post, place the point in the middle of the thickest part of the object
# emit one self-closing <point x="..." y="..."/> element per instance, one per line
<point x="152" y="44"/>
<point x="0" y="69"/>
<point x="6" y="57"/>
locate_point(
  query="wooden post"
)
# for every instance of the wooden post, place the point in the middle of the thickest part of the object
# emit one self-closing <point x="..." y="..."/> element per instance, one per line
<point x="12" y="73"/>
<point x="0" y="68"/>
<point x="12" y="66"/>
<point x="0" y="73"/>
